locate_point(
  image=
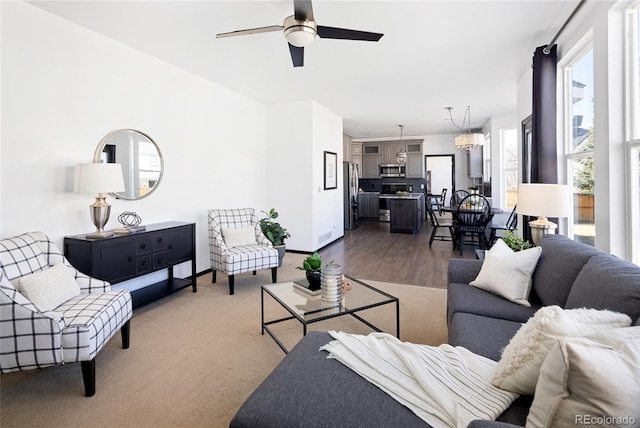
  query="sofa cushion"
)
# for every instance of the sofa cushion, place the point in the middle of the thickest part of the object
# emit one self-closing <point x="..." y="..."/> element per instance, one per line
<point x="507" y="273"/>
<point x="481" y="335"/>
<point x="472" y="300"/>
<point x="308" y="389"/>
<point x="573" y="383"/>
<point x="606" y="282"/>
<point x="560" y="263"/>
<point x="519" y="367"/>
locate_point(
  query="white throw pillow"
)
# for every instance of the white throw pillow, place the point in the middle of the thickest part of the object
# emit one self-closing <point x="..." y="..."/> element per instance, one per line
<point x="584" y="380"/>
<point x="49" y="288"/>
<point x="507" y="273"/>
<point x="519" y="367"/>
<point x="238" y="237"/>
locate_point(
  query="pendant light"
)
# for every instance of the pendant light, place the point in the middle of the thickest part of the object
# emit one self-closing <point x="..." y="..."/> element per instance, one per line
<point x="401" y="156"/>
<point x="468" y="141"/>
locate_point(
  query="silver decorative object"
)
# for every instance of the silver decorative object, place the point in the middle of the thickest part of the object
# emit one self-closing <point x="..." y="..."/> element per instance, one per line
<point x="331" y="283"/>
<point x="129" y="219"/>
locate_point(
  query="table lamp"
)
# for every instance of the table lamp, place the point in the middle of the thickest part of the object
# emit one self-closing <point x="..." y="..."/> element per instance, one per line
<point x="543" y="200"/>
<point x="99" y="178"/>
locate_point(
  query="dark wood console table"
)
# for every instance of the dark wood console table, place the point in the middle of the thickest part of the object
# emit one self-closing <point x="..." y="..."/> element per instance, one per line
<point x="122" y="257"/>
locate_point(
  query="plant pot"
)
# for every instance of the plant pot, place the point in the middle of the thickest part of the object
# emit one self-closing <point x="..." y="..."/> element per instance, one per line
<point x="281" y="252"/>
<point x="314" y="280"/>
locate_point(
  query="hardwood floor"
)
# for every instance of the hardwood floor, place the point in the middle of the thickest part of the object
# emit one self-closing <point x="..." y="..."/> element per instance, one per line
<point x="370" y="251"/>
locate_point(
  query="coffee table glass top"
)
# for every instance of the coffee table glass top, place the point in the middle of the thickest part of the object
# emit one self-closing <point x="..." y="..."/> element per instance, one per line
<point x="309" y="308"/>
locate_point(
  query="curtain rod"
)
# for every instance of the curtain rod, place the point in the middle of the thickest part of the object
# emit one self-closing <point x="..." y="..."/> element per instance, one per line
<point x="547" y="48"/>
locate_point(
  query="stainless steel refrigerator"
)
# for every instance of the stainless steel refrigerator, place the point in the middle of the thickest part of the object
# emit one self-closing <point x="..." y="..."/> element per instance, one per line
<point x="351" y="185"/>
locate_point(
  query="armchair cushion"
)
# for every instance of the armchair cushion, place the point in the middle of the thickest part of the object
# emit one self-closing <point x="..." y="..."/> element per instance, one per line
<point x="49" y="288"/>
<point x="237" y="237"/>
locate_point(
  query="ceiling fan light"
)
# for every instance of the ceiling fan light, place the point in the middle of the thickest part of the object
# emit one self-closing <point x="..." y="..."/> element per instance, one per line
<point x="300" y="35"/>
<point x="469" y="141"/>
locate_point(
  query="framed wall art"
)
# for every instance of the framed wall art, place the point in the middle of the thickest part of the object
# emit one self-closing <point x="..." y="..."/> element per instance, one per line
<point x="330" y="170"/>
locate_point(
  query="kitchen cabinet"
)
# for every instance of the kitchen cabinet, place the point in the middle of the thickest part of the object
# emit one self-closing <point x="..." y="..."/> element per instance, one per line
<point x="356" y="156"/>
<point x="390" y="152"/>
<point x="122" y="257"/>
<point x="371" y="159"/>
<point x="415" y="165"/>
<point x="415" y="160"/>
<point x="369" y="205"/>
<point x="406" y="214"/>
<point x="474" y="163"/>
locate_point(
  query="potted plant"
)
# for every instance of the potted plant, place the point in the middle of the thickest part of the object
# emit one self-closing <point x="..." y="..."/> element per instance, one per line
<point x="516" y="243"/>
<point x="274" y="232"/>
<point x="312" y="265"/>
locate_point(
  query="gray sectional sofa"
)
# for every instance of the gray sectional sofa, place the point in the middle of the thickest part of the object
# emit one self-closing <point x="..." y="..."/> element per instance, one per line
<point x="568" y="274"/>
<point x="307" y="389"/>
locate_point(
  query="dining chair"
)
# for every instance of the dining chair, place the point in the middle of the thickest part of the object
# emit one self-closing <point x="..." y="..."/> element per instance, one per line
<point x="437" y="223"/>
<point x="442" y="201"/>
<point x="471" y="219"/>
<point x="457" y="197"/>
<point x="498" y="230"/>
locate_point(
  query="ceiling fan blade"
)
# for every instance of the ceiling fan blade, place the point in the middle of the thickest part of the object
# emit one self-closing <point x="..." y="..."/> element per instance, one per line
<point x="345" y="34"/>
<point x="297" y="55"/>
<point x="250" y="31"/>
<point x="303" y="10"/>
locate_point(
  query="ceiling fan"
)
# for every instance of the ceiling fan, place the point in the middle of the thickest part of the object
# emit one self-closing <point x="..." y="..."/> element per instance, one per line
<point x="300" y="29"/>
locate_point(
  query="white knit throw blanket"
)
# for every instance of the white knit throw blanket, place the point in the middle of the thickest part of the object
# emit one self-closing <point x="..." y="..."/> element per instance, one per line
<point x="444" y="386"/>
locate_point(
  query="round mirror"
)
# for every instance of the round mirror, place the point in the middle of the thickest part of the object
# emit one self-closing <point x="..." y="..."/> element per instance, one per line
<point x="140" y="157"/>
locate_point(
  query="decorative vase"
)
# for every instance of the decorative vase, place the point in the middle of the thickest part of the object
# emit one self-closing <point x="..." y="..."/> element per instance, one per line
<point x="331" y="283"/>
<point x="281" y="251"/>
<point x="314" y="280"/>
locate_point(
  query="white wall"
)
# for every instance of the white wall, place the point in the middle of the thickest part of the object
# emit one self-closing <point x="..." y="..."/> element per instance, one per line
<point x="298" y="134"/>
<point x="64" y="88"/>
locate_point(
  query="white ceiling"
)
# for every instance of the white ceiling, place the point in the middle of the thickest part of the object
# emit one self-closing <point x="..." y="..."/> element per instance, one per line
<point x="434" y="54"/>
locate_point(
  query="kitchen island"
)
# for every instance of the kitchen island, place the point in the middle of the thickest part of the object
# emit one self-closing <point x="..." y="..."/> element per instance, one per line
<point x="406" y="212"/>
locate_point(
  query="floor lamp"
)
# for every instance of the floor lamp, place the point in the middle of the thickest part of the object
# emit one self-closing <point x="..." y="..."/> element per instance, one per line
<point x="543" y="200"/>
<point x="99" y="178"/>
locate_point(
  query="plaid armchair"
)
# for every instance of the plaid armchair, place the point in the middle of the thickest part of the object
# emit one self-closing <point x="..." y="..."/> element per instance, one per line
<point x="239" y="257"/>
<point x="33" y="338"/>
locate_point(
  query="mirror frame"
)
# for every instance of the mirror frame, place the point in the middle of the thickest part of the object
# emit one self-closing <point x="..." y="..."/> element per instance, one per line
<point x="105" y="141"/>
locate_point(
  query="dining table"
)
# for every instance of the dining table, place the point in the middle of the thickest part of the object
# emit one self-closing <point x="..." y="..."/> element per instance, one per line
<point x="454" y="211"/>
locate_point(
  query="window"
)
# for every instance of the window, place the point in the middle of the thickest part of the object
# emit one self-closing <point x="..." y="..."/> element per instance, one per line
<point x="509" y="140"/>
<point x="579" y="145"/>
<point x="632" y="61"/>
<point x="486" y="156"/>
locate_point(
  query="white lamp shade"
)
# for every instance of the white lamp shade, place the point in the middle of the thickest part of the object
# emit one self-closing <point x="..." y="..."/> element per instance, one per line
<point x="98" y="178"/>
<point x="469" y="141"/>
<point x="544" y="200"/>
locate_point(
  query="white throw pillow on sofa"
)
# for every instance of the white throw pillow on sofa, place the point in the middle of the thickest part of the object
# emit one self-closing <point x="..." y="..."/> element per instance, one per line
<point x="49" y="288"/>
<point x="238" y="237"/>
<point x="584" y="380"/>
<point x="507" y="273"/>
<point x="519" y="367"/>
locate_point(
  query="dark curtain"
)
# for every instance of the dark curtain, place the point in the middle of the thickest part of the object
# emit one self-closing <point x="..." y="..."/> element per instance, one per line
<point x="543" y="162"/>
<point x="544" y="167"/>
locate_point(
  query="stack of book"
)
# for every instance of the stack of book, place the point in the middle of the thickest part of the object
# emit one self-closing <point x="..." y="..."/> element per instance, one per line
<point x="127" y="230"/>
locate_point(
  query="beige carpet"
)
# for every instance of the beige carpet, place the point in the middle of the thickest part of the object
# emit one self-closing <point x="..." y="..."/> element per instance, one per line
<point x="195" y="358"/>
